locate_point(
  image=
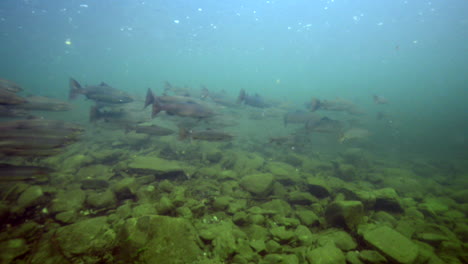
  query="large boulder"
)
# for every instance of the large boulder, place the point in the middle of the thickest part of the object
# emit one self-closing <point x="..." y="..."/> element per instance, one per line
<point x="258" y="184"/>
<point x="391" y="244"/>
<point x="159" y="239"/>
<point x="387" y="199"/>
<point x="345" y="214"/>
<point x="88" y="241"/>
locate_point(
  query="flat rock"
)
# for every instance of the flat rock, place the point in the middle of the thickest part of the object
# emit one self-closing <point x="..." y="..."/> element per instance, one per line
<point x="392" y="244"/>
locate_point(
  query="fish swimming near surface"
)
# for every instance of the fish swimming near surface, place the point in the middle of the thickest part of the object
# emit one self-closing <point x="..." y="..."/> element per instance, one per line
<point x="101" y="93"/>
<point x="9" y="173"/>
<point x="153" y="130"/>
<point x="184" y="109"/>
<point x="207" y="135"/>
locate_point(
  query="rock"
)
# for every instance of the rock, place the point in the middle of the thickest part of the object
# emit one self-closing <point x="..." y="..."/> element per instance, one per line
<point x="346" y="214"/>
<point x="94" y="184"/>
<point x="97" y="171"/>
<point x="165" y="205"/>
<point x="102" y="200"/>
<point x="372" y="257"/>
<point x="352" y="257"/>
<point x="387" y="199"/>
<point x="68" y="200"/>
<point x="241" y="162"/>
<point x="301" y="198"/>
<point x="32" y="196"/>
<point x="308" y="218"/>
<point x="304" y="235"/>
<point x="12" y="249"/>
<point x="318" y="187"/>
<point x="87" y="241"/>
<point x="273" y="246"/>
<point x="221" y="202"/>
<point x="143" y="209"/>
<point x="341" y="239"/>
<point x="391" y="244"/>
<point x="67" y="217"/>
<point x="283" y="172"/>
<point x="277" y="206"/>
<point x="281" y="234"/>
<point x="328" y="254"/>
<point x="223" y="239"/>
<point x="159" y="239"/>
<point x="258" y="245"/>
<point x="258" y="184"/>
<point x="125" y="189"/>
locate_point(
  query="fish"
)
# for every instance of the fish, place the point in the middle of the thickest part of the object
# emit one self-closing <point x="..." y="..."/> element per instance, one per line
<point x="10" y="86"/>
<point x="218" y="98"/>
<point x="324" y="125"/>
<point x="300" y="117"/>
<point x="254" y="100"/>
<point x="166" y="99"/>
<point x="339" y="105"/>
<point x="36" y="137"/>
<point x="354" y="134"/>
<point x="153" y="130"/>
<point x="180" y="108"/>
<point x="101" y="93"/>
<point x="10" y="98"/>
<point x="9" y="173"/>
<point x="45" y="104"/>
<point x="181" y="91"/>
<point x="379" y="99"/>
<point x="6" y="111"/>
<point x="207" y="135"/>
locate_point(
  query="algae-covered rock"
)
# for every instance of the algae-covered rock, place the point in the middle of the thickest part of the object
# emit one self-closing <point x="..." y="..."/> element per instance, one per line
<point x="87" y="241"/>
<point x="387" y="199"/>
<point x="11" y="249"/>
<point x="372" y="256"/>
<point x="346" y="214"/>
<point x="68" y="200"/>
<point x="341" y="239"/>
<point x="223" y="236"/>
<point x="304" y="236"/>
<point x="317" y="186"/>
<point x="32" y="196"/>
<point x="308" y="218"/>
<point x="258" y="184"/>
<point x="328" y="254"/>
<point x="281" y="234"/>
<point x="302" y="198"/>
<point x="242" y="162"/>
<point x="278" y="207"/>
<point x="159" y="239"/>
<point x="102" y="200"/>
<point x="391" y="244"/>
<point x="283" y="172"/>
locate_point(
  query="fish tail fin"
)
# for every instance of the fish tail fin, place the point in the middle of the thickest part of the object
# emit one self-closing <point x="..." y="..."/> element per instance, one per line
<point x="75" y="89"/>
<point x="149" y="98"/>
<point x="156" y="108"/>
<point x="94" y="114"/>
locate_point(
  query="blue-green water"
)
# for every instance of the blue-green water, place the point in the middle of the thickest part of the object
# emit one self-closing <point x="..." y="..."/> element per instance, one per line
<point x="412" y="52"/>
<point x="241" y="184"/>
